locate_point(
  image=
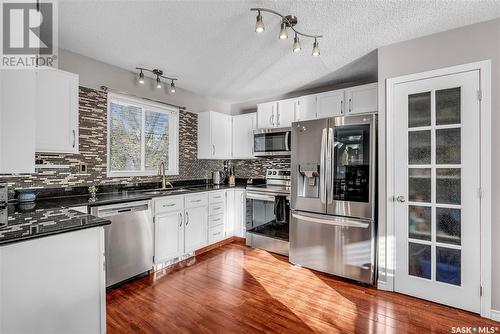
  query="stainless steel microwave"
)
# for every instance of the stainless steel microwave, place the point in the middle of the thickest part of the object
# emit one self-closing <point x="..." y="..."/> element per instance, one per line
<point x="272" y="142"/>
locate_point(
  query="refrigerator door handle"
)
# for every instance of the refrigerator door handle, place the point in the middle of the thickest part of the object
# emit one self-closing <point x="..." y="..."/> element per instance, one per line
<point x="330" y="161"/>
<point x="322" y="167"/>
<point x="339" y="221"/>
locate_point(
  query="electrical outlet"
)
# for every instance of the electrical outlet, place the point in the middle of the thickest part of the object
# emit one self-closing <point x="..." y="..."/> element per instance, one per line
<point x="83" y="167"/>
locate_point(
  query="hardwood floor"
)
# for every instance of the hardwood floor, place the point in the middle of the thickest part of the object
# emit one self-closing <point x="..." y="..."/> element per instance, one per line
<point x="235" y="289"/>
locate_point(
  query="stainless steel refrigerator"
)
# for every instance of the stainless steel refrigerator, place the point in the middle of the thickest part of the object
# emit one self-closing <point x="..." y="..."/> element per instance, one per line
<point x="332" y="227"/>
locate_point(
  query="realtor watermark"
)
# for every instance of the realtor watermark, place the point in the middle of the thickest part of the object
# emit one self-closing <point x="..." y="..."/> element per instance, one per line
<point x="29" y="34"/>
<point x="475" y="330"/>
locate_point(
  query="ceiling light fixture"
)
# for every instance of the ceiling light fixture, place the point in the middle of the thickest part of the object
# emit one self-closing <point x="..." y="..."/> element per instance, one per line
<point x="296" y="43"/>
<point x="259" y="25"/>
<point x="283" y="31"/>
<point x="159" y="74"/>
<point x="288" y="21"/>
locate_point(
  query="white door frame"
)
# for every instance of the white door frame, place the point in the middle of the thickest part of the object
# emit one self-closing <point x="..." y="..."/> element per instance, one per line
<point x="484" y="68"/>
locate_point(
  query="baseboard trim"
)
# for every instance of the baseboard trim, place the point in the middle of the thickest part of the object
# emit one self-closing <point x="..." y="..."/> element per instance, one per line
<point x="495" y="315"/>
<point x="214" y="246"/>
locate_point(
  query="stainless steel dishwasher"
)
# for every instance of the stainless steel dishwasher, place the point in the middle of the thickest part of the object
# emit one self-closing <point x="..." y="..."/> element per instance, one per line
<point x="128" y="240"/>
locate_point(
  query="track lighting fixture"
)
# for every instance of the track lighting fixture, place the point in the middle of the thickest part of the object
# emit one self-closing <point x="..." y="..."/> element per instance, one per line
<point x="159" y="74"/>
<point x="315" y="51"/>
<point x="283" y="31"/>
<point x="296" y="43"/>
<point x="141" y="78"/>
<point x="288" y="21"/>
<point x="259" y="25"/>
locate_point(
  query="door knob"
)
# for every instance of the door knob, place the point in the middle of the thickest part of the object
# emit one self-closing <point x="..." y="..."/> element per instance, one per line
<point x="401" y="199"/>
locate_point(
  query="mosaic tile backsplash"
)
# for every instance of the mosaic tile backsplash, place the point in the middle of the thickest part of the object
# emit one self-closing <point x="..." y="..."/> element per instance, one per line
<point x="93" y="140"/>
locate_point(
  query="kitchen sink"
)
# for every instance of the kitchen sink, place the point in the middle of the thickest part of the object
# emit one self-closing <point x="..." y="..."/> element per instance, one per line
<point x="164" y="191"/>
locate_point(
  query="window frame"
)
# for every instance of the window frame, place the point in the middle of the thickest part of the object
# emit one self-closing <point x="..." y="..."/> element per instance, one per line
<point x="145" y="105"/>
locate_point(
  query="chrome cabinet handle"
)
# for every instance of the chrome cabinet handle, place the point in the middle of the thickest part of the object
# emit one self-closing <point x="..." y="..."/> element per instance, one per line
<point x="187" y="219"/>
<point x="271" y="119"/>
<point x="401" y="199"/>
<point x="278" y="116"/>
<point x="168" y="205"/>
<point x="180" y="219"/>
<point x="350" y="105"/>
<point x="213" y="149"/>
<point x="74" y="138"/>
<point x="342" y="107"/>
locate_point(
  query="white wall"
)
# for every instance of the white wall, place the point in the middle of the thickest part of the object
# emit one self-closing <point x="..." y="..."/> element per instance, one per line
<point x="94" y="74"/>
<point x="454" y="47"/>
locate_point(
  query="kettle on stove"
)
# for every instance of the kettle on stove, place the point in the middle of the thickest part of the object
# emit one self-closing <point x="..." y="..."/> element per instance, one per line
<point x="218" y="177"/>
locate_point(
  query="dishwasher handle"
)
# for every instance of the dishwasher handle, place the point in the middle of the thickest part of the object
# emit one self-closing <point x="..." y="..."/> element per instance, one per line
<point x="113" y="211"/>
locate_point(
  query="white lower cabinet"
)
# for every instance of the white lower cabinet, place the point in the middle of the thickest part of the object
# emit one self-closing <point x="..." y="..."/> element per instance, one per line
<point x="186" y="223"/>
<point x="195" y="229"/>
<point x="169" y="236"/>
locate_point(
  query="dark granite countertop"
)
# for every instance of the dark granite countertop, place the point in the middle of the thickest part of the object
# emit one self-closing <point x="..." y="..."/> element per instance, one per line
<point x="20" y="224"/>
<point x="49" y="216"/>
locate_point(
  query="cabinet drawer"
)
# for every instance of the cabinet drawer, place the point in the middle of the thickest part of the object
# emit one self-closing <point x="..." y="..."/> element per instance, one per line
<point x="196" y="200"/>
<point x="166" y="204"/>
<point x="216" y="209"/>
<point x="215" y="234"/>
<point x="215" y="220"/>
<point x="216" y="197"/>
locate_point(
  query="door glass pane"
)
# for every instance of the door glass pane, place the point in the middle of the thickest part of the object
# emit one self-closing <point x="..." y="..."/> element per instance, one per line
<point x="448" y="225"/>
<point x="419" y="222"/>
<point x="419" y="109"/>
<point x="448" y="185"/>
<point x="448" y="146"/>
<point x="419" y="260"/>
<point x="448" y="106"/>
<point x="156" y="140"/>
<point x="448" y="265"/>
<point x="419" y="184"/>
<point x="419" y="147"/>
<point x="352" y="163"/>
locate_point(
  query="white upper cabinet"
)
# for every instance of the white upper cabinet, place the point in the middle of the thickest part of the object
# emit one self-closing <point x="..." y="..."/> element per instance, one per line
<point x="266" y="115"/>
<point x="17" y="121"/>
<point x="306" y="108"/>
<point x="243" y="127"/>
<point x="214" y="135"/>
<point x="362" y="99"/>
<point x="330" y="104"/>
<point x="57" y="112"/>
<point x="287" y="109"/>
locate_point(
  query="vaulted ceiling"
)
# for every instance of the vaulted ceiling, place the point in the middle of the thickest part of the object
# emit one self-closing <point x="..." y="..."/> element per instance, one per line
<point x="213" y="49"/>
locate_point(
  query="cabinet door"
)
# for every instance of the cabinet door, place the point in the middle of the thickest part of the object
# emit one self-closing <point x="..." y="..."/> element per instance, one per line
<point x="306" y="108"/>
<point x="195" y="228"/>
<point x="57" y="112"/>
<point x="286" y="113"/>
<point x="330" y="104"/>
<point x="169" y="236"/>
<point x="266" y="115"/>
<point x="362" y="99"/>
<point x="17" y="121"/>
<point x="230" y="224"/>
<point x="239" y="213"/>
<point x="205" y="149"/>
<point x="243" y="126"/>
<point x="220" y="133"/>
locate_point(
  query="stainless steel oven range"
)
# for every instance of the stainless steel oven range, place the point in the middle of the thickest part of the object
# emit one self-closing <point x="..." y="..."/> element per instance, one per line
<point x="268" y="212"/>
<point x="333" y="224"/>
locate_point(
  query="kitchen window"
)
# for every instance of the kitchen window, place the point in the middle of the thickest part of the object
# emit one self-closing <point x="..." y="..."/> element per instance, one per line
<point x="141" y="134"/>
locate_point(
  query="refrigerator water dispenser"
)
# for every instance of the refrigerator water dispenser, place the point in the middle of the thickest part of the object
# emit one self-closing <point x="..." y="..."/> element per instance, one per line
<point x="308" y="180"/>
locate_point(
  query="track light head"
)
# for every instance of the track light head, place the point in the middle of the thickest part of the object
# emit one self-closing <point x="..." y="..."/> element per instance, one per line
<point x="141" y="78"/>
<point x="158" y="82"/>
<point x="296" y="44"/>
<point x="259" y="25"/>
<point x="283" y="31"/>
<point x="172" y="87"/>
<point x="315" y="51"/>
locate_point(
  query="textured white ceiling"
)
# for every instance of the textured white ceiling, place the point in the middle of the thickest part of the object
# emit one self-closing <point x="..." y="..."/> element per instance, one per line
<point x="213" y="49"/>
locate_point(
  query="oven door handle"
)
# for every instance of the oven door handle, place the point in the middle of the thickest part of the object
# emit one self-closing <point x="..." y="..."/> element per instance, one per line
<point x="262" y="197"/>
<point x="339" y="221"/>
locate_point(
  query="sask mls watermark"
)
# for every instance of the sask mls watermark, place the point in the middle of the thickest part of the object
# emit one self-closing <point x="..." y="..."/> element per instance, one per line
<point x="29" y="34"/>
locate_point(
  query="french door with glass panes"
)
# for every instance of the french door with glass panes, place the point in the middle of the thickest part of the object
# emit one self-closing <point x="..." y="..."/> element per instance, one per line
<point x="437" y="181"/>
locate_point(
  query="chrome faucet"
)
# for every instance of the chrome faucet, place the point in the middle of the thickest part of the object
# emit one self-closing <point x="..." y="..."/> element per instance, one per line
<point x="161" y="172"/>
